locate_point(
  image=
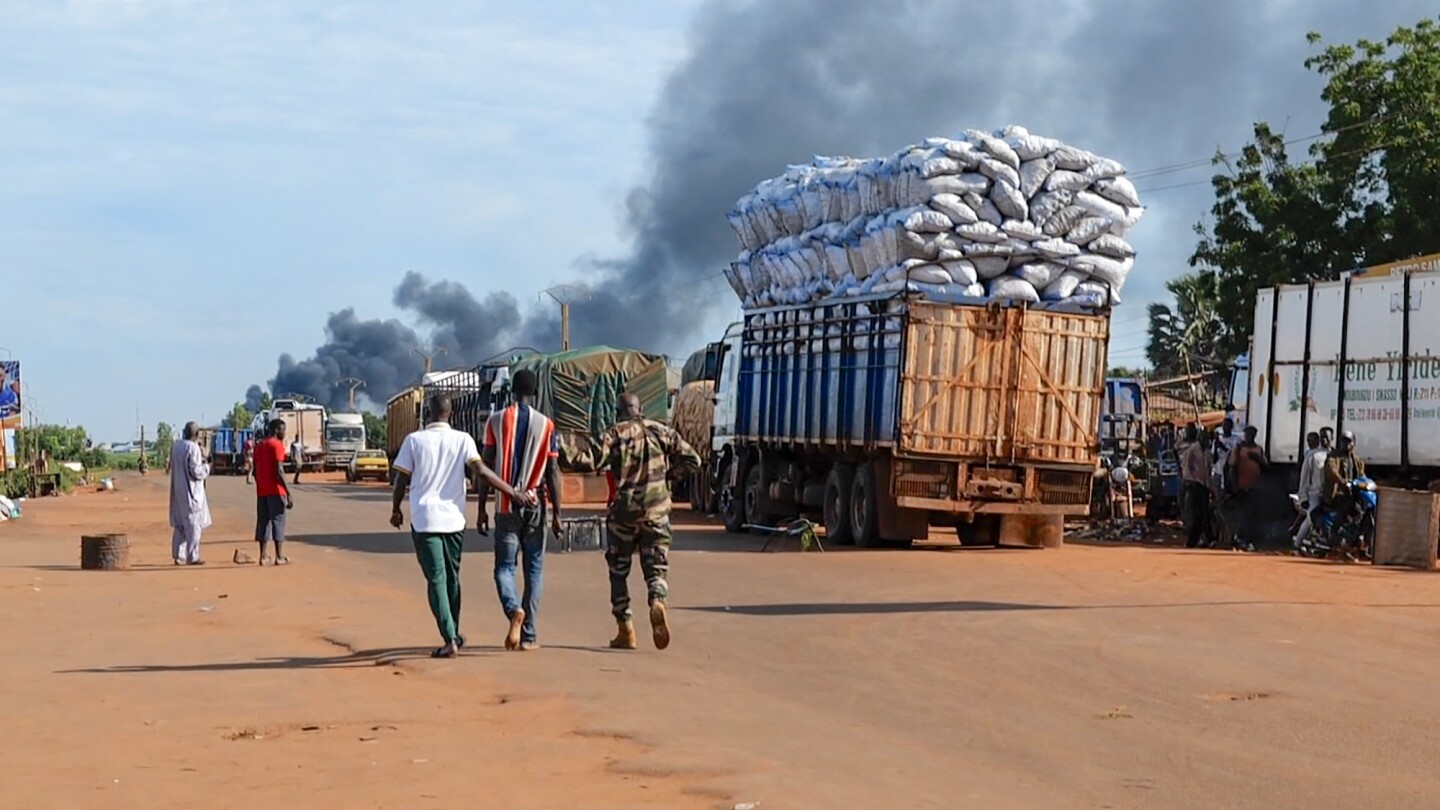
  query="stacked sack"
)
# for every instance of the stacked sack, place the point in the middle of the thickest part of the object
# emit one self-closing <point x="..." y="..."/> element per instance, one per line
<point x="1008" y="215"/>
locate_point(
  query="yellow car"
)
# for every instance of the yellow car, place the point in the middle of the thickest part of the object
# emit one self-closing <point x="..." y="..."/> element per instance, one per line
<point x="368" y="464"/>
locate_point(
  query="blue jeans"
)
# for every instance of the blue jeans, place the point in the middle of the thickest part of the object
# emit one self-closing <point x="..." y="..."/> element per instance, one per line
<point x="514" y="539"/>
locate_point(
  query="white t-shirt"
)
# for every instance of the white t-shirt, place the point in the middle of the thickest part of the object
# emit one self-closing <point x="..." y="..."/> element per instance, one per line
<point x="436" y="459"/>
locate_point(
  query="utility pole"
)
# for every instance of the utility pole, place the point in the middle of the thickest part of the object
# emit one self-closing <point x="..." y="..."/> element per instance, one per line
<point x="353" y="382"/>
<point x="429" y="358"/>
<point x="564" y="295"/>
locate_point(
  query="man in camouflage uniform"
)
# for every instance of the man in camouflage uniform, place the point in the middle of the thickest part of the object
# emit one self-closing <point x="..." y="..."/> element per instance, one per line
<point x="641" y="454"/>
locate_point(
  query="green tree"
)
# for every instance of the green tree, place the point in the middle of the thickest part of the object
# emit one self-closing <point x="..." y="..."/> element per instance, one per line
<point x="62" y="443"/>
<point x="266" y="401"/>
<point x="375" y="430"/>
<point x="239" y="417"/>
<point x="164" y="437"/>
<point x="1366" y="196"/>
<point x="1188" y="336"/>
<point x="1124" y="372"/>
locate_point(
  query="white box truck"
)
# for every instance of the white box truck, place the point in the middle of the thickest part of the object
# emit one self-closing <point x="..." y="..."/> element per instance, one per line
<point x="1360" y="354"/>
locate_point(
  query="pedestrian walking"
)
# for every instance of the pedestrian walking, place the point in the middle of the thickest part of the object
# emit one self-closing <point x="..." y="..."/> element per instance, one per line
<point x="1312" y="485"/>
<point x="249" y="458"/>
<point x="433" y="464"/>
<point x="272" y="497"/>
<point x="297" y="455"/>
<point x="522" y="446"/>
<point x="641" y="453"/>
<point x="189" y="507"/>
<point x="1247" y="463"/>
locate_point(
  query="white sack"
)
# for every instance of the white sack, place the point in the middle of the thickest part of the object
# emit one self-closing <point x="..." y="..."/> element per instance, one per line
<point x="955" y="208"/>
<point x="1022" y="229"/>
<point x="962" y="272"/>
<point x="1009" y="288"/>
<point x="990" y="266"/>
<point x="1047" y="204"/>
<point x="1087" y="230"/>
<point x="1009" y="200"/>
<point x="980" y="232"/>
<point x="1033" y="174"/>
<point x="1113" y="246"/>
<point x="1063" y="286"/>
<point x="1103" y="268"/>
<point x="1038" y="274"/>
<point x="1120" y="190"/>
<point x="1064" y="220"/>
<point x="1063" y="180"/>
<point x="928" y="221"/>
<point x="1056" y="249"/>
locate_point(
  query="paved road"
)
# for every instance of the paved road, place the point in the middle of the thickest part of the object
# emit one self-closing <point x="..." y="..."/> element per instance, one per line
<point x="1084" y="677"/>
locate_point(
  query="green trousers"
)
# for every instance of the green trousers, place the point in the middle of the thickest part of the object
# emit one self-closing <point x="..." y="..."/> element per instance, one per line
<point x="439" y="556"/>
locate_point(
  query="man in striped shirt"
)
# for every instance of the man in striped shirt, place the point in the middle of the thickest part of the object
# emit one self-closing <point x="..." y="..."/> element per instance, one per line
<point x="521" y="446"/>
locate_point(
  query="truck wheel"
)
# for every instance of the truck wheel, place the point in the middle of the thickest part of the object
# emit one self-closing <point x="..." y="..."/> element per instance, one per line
<point x="735" y="517"/>
<point x="698" y="491"/>
<point x="836" y="506"/>
<point x="864" y="509"/>
<point x="754" y="496"/>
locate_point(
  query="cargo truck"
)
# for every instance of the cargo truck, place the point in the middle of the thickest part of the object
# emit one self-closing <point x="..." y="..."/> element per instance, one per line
<point x="886" y="415"/>
<point x="344" y="437"/>
<point x="228" y="450"/>
<point x="1360" y="354"/>
<point x="304" y="422"/>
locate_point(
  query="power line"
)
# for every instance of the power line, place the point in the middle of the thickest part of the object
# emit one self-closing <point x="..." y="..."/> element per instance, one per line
<point x="1210" y="161"/>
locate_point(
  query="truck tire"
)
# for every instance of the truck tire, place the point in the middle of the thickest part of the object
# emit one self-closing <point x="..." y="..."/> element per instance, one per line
<point x="754" y="496"/>
<point x="865" y="508"/>
<point x="836" y="506"/>
<point x="735" y="517"/>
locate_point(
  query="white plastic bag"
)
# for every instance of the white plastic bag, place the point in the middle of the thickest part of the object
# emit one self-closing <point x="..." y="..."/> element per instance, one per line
<point x="1056" y="249"/>
<point x="1064" y="180"/>
<point x="1100" y="207"/>
<point x="955" y="208"/>
<point x="1103" y="268"/>
<point x="995" y="147"/>
<point x="1038" y="274"/>
<point x="1009" y="200"/>
<point x="1087" y="230"/>
<point x="990" y="266"/>
<point x="1030" y="147"/>
<point x="1064" y="220"/>
<point x="1010" y="288"/>
<point x="928" y="221"/>
<point x="1118" y="189"/>
<point x="1063" y="286"/>
<point x="962" y="272"/>
<point x="1048" y="203"/>
<point x="1033" y="174"/>
<point x="1073" y="159"/>
<point x="981" y="232"/>
<point x="996" y="169"/>
<point x="1111" y="245"/>
<point x="1022" y="229"/>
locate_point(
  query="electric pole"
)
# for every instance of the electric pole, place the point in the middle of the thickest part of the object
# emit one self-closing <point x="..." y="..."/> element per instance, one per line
<point x="564" y="295"/>
<point x="429" y="358"/>
<point x="353" y="382"/>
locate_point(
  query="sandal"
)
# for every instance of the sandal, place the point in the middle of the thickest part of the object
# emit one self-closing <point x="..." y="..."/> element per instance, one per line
<point x="448" y="651"/>
<point x="459" y="641"/>
<point x="282" y="560"/>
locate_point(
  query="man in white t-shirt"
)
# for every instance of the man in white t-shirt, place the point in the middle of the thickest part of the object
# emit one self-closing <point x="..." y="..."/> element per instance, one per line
<point x="297" y="453"/>
<point x="434" y="464"/>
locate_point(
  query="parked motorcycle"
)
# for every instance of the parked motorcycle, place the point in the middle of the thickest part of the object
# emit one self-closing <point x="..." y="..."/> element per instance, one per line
<point x="1348" y="531"/>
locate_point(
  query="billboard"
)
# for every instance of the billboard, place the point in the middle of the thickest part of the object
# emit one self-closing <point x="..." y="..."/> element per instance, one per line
<point x="10" y="403"/>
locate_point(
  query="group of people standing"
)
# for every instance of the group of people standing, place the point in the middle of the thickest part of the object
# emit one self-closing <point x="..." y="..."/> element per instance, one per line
<point x="190" y="505"/>
<point x="520" y="461"/>
<point x="1223" y="468"/>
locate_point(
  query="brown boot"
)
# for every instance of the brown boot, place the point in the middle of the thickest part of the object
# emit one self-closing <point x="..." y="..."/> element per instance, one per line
<point x="624" y="636"/>
<point x="659" y="626"/>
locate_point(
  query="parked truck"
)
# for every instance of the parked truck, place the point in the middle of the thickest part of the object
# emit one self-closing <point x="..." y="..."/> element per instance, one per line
<point x="1361" y="354"/>
<point x="228" y="450"/>
<point x="402" y="417"/>
<point x="693" y="417"/>
<point x="344" y="437"/>
<point x="886" y="415"/>
<point x="304" y="422"/>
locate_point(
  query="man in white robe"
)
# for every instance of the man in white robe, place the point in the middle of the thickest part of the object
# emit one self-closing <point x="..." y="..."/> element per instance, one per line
<point x="189" y="508"/>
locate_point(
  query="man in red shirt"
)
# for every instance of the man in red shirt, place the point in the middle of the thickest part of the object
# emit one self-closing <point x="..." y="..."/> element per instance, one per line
<point x="272" y="497"/>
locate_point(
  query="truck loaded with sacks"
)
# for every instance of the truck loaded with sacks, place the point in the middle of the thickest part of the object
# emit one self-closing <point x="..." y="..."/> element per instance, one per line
<point x="924" y="341"/>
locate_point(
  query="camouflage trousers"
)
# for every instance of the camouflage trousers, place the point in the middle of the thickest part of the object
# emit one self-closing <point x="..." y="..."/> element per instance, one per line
<point x="652" y="540"/>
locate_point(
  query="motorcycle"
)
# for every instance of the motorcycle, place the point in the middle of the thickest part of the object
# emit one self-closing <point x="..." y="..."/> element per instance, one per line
<point x="1348" y="531"/>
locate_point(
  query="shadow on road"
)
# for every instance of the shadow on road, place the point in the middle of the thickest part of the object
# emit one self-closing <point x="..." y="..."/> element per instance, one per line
<point x="361" y="658"/>
<point x="881" y="608"/>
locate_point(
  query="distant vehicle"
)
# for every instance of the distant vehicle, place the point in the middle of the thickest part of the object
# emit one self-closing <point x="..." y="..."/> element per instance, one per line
<point x="303" y="422"/>
<point x="344" y="437"/>
<point x="368" y="464"/>
<point x="227" y="449"/>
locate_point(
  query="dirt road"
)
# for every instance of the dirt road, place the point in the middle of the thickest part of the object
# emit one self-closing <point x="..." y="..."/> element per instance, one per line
<point x="1079" y="678"/>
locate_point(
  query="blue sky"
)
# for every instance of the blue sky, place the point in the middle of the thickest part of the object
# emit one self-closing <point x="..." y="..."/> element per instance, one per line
<point x="191" y="187"/>
<point x="188" y="188"/>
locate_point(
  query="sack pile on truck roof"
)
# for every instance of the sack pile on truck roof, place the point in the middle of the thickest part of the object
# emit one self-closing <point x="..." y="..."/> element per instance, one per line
<point x="1004" y="215"/>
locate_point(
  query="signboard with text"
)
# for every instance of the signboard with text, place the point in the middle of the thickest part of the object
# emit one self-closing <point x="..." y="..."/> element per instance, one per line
<point x="10" y="404"/>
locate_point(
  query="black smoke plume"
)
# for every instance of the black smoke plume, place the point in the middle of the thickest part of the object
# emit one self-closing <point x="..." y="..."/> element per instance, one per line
<point x="775" y="82"/>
